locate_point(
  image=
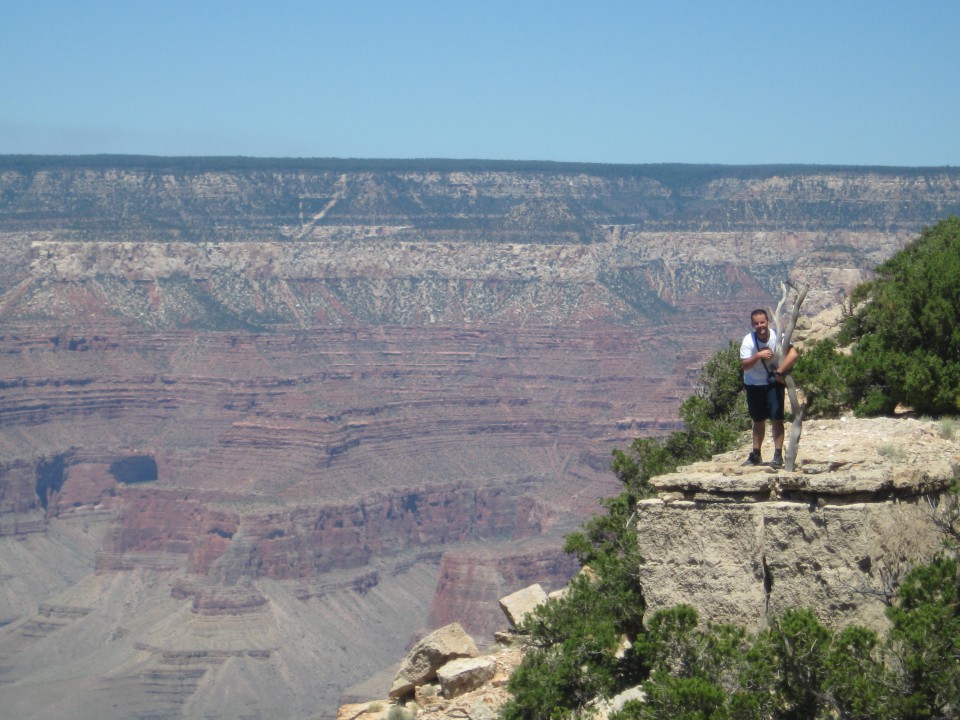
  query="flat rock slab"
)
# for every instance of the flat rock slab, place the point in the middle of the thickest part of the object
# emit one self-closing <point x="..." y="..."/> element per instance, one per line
<point x="845" y="457"/>
<point x="465" y="675"/>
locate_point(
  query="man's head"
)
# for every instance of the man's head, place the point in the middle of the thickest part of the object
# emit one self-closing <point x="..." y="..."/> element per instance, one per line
<point x="761" y="323"/>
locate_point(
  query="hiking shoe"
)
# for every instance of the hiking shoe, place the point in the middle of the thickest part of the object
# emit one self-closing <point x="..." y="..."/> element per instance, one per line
<point x="777" y="461"/>
<point x="753" y="458"/>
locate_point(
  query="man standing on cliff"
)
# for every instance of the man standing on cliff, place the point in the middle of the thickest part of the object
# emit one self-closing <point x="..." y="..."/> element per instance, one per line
<point x="764" y="382"/>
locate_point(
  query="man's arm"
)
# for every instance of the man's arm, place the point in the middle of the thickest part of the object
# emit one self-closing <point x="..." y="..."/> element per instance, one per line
<point x="791" y="357"/>
<point x="762" y="354"/>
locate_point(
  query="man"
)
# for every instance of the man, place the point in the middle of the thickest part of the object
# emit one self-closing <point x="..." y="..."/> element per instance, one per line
<point x="765" y="384"/>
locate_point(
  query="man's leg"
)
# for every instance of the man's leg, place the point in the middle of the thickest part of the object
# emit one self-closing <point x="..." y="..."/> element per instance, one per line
<point x="757" y="406"/>
<point x="776" y="396"/>
<point x="759" y="430"/>
<point x="778" y="433"/>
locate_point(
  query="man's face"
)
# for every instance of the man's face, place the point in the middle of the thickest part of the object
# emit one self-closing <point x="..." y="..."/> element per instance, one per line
<point x="761" y="326"/>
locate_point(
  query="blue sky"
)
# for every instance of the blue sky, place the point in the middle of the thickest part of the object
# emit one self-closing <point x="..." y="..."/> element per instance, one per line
<point x="837" y="82"/>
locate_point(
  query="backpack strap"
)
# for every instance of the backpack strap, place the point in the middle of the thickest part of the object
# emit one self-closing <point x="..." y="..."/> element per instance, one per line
<point x="756" y="344"/>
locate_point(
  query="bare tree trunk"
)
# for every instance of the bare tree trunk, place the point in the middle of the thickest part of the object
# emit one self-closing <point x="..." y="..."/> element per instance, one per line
<point x="783" y="344"/>
<point x="796" y="427"/>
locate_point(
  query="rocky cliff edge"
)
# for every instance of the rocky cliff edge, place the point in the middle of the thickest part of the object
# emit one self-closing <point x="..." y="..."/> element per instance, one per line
<point x="744" y="543"/>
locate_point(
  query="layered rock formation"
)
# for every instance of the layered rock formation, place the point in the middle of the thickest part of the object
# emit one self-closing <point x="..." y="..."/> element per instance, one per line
<point x="319" y="398"/>
<point x="743" y="544"/>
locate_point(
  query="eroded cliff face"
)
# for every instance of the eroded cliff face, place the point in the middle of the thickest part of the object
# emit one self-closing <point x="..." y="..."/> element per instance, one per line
<point x="743" y="544"/>
<point x="363" y="398"/>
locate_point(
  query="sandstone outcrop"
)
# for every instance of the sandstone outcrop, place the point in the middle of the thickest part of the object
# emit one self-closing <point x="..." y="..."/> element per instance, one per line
<point x="429" y="655"/>
<point x="742" y="544"/>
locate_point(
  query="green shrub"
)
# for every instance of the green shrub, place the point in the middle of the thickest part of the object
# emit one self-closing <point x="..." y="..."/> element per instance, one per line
<point x="856" y="676"/>
<point x="683" y="698"/>
<point x="925" y="638"/>
<point x="892" y="452"/>
<point x="822" y="373"/>
<point x="574" y="639"/>
<point x="796" y="669"/>
<point x="398" y="712"/>
<point x="905" y="328"/>
<point x="714" y="418"/>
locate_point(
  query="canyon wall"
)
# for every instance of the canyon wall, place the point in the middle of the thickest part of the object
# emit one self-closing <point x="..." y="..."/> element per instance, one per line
<point x="250" y="409"/>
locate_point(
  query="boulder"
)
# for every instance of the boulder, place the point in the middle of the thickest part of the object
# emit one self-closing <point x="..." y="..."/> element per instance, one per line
<point x="518" y="605"/>
<point x="431" y="653"/>
<point x="465" y="674"/>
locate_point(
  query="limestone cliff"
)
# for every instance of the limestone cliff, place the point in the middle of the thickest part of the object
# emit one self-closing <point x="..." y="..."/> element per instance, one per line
<point x="744" y="543"/>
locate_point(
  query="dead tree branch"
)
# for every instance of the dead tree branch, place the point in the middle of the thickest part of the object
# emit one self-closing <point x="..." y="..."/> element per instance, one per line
<point x="783" y="345"/>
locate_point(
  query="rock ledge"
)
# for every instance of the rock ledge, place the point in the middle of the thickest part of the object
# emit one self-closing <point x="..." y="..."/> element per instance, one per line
<point x="743" y="543"/>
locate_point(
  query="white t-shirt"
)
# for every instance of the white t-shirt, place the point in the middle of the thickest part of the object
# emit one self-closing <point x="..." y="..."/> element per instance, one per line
<point x="757" y="375"/>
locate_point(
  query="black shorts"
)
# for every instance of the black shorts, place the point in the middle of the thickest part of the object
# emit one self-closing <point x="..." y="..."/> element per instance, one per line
<point x="765" y="402"/>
